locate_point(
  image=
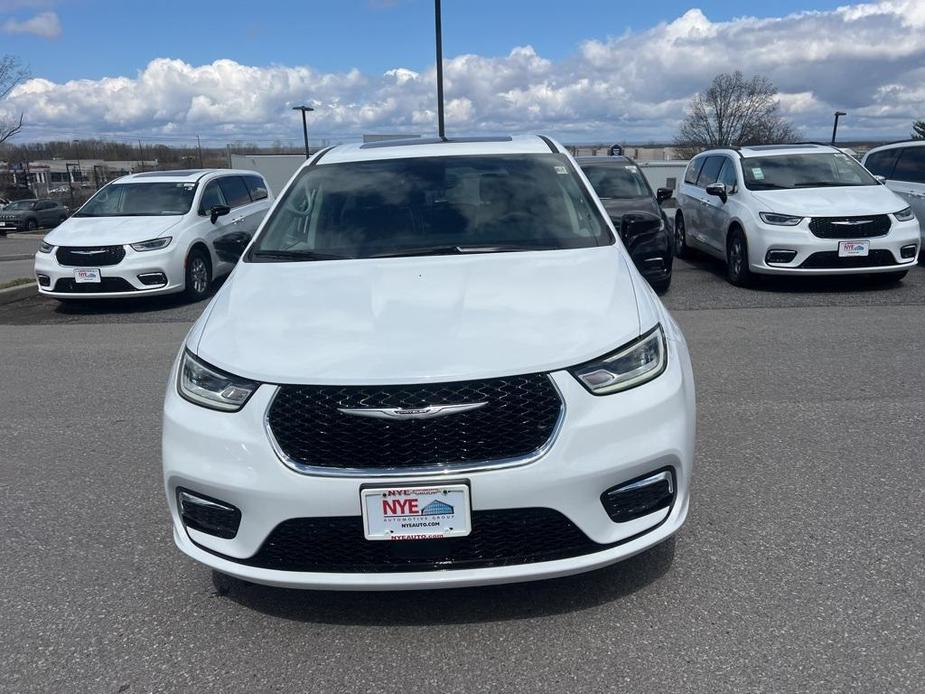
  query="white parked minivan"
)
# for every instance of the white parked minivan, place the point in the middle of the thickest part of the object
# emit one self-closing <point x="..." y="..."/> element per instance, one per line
<point x="435" y="366"/>
<point x="800" y="209"/>
<point x="902" y="167"/>
<point x="158" y="232"/>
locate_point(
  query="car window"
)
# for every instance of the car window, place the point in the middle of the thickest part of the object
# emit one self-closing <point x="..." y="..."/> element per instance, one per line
<point x="910" y="166"/>
<point x="619" y="182"/>
<point x="42" y="205"/>
<point x="710" y="171"/>
<point x="235" y="191"/>
<point x="257" y="187"/>
<point x="693" y="170"/>
<point x="140" y="200"/>
<point x="21" y="205"/>
<point x="727" y="174"/>
<point x="815" y="170"/>
<point x="432" y="205"/>
<point x="211" y="197"/>
<point x="881" y="163"/>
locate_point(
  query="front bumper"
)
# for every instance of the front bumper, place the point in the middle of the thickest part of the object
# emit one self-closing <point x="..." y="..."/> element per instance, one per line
<point x="169" y="261"/>
<point x="603" y="442"/>
<point x="766" y="237"/>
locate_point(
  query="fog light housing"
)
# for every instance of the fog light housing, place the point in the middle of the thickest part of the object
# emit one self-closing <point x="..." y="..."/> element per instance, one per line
<point x="777" y="256"/>
<point x="639" y="497"/>
<point x="151" y="279"/>
<point x="908" y="251"/>
<point x="208" y="515"/>
<point x="44" y="280"/>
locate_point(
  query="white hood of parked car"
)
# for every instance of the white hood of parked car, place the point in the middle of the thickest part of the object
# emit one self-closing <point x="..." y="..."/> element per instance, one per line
<point x="419" y="319"/>
<point x="847" y="201"/>
<point x="109" y="231"/>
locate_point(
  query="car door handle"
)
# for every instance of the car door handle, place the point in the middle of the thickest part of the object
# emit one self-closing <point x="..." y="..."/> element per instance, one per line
<point x="237" y="220"/>
<point x="915" y="195"/>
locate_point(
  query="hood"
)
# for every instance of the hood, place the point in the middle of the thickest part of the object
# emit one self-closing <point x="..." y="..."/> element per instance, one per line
<point x="422" y="319"/>
<point x="617" y="207"/>
<point x="847" y="201"/>
<point x="109" y="231"/>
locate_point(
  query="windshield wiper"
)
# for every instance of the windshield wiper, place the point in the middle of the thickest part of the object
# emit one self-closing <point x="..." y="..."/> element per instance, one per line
<point x="459" y="250"/>
<point x="298" y="255"/>
<point x="821" y="184"/>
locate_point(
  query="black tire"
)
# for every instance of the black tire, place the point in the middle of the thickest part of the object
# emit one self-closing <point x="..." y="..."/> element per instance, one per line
<point x="31" y="225"/>
<point x="737" y="271"/>
<point x="888" y="277"/>
<point x="198" y="275"/>
<point x="681" y="249"/>
<point x="662" y="286"/>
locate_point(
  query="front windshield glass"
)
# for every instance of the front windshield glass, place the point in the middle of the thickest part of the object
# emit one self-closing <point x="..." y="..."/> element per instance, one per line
<point x="818" y="170"/>
<point x="140" y="200"/>
<point x="431" y="205"/>
<point x="21" y="205"/>
<point x="617" y="182"/>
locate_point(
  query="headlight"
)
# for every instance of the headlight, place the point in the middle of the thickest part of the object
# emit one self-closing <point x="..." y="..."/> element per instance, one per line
<point x="630" y="366"/>
<point x="207" y="386"/>
<point x="152" y="244"/>
<point x="904" y="215"/>
<point x="45" y="247"/>
<point x="783" y="220"/>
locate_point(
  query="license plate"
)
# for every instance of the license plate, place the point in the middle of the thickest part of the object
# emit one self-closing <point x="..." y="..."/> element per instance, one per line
<point x="87" y="274"/>
<point x="423" y="512"/>
<point x="847" y="249"/>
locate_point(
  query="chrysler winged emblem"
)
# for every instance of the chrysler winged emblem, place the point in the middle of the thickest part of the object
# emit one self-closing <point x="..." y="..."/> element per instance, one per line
<point x="401" y="413"/>
<point x="851" y="222"/>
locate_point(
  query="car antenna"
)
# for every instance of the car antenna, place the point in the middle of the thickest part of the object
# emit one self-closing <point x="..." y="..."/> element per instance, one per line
<point x="438" y="35"/>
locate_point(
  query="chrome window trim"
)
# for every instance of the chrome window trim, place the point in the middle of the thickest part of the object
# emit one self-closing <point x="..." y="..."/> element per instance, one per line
<point x="447" y="470"/>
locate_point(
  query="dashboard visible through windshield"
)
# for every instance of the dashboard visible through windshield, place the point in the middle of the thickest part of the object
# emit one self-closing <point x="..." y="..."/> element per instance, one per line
<point x="817" y="170"/>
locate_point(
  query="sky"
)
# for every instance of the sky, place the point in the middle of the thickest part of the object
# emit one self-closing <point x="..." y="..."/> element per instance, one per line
<point x="579" y="70"/>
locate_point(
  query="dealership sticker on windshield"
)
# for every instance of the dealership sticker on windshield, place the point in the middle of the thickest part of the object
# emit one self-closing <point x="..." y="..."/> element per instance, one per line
<point x="758" y="173"/>
<point x="847" y="249"/>
<point x="86" y="274"/>
<point x="416" y="513"/>
<point x="561" y="170"/>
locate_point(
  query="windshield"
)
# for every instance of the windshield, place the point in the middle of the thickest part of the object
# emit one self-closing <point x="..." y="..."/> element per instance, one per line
<point x="431" y="205"/>
<point x="140" y="200"/>
<point x="621" y="182"/>
<point x="21" y="205"/>
<point x="819" y="170"/>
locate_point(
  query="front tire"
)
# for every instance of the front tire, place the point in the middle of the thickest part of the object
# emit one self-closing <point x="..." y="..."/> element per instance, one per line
<point x="198" y="276"/>
<point x="681" y="249"/>
<point x="737" y="271"/>
<point x="31" y="225"/>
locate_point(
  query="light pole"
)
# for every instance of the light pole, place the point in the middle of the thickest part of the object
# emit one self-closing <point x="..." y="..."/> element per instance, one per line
<point x="79" y="172"/>
<point x="838" y="114"/>
<point x="438" y="40"/>
<point x="304" y="110"/>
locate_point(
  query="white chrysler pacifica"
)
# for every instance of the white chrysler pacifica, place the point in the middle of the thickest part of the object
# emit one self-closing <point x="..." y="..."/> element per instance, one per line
<point x="159" y="232"/>
<point x="435" y="366"/>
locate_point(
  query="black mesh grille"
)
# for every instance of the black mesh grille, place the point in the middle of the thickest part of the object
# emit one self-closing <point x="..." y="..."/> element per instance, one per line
<point x="498" y="538"/>
<point x="90" y="256"/>
<point x="850" y="227"/>
<point x="106" y="284"/>
<point x="519" y="416"/>
<point x="830" y="260"/>
<point x="629" y="504"/>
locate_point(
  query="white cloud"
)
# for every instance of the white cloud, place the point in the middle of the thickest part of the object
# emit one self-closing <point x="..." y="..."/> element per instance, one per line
<point x="45" y="24"/>
<point x="867" y="59"/>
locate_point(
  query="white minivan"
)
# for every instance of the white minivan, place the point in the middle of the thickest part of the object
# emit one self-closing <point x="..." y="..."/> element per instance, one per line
<point x="436" y="365"/>
<point x="801" y="209"/>
<point x="158" y="232"/>
<point x="902" y="167"/>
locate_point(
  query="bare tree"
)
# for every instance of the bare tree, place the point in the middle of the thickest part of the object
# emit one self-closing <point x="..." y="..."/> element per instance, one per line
<point x="733" y="112"/>
<point x="12" y="72"/>
<point x="918" y="130"/>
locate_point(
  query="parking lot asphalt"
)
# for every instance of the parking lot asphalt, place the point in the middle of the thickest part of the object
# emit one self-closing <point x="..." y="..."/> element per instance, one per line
<point x="800" y="568"/>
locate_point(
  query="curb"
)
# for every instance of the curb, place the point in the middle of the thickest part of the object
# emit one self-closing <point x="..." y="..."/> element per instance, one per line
<point x="17" y="256"/>
<point x="17" y="293"/>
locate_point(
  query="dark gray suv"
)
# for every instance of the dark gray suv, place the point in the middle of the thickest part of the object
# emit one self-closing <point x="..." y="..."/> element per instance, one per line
<point x="31" y="214"/>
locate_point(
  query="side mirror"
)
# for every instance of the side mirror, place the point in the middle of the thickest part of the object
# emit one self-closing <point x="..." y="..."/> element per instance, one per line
<point x="663" y="194"/>
<point x="719" y="190"/>
<point x="219" y="211"/>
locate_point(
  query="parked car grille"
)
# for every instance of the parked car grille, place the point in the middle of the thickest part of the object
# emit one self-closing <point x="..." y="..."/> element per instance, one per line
<point x="518" y="418"/>
<point x="498" y="538"/>
<point x="850" y="227"/>
<point x="90" y="256"/>
<point x="830" y="260"/>
<point x="105" y="285"/>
